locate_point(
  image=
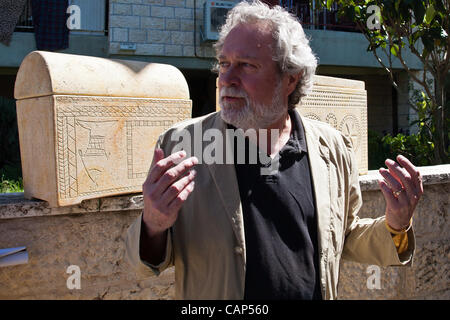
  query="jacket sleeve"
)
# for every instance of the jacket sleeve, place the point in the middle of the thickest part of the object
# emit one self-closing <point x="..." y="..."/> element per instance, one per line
<point x="133" y="257"/>
<point x="368" y="240"/>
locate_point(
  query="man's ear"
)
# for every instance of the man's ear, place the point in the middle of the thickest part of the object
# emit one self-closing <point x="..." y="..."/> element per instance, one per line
<point x="293" y="79"/>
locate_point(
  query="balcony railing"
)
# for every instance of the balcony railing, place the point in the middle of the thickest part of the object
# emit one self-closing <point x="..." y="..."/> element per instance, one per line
<point x="316" y="18"/>
<point x="26" y="19"/>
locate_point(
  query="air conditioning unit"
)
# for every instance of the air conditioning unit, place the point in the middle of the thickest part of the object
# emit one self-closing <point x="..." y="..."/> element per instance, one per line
<point x="214" y="16"/>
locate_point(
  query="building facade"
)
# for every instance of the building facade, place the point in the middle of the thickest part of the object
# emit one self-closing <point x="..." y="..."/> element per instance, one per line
<point x="173" y="32"/>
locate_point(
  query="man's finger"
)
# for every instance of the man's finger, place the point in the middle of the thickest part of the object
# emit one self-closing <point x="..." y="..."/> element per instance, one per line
<point x="392" y="182"/>
<point x="176" y="203"/>
<point x="413" y="172"/>
<point x="175" y="173"/>
<point x="176" y="188"/>
<point x="162" y="165"/>
<point x="158" y="155"/>
<point x="402" y="175"/>
<point x="387" y="194"/>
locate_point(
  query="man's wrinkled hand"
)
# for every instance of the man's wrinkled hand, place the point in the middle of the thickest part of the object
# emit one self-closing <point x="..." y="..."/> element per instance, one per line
<point x="402" y="188"/>
<point x="169" y="183"/>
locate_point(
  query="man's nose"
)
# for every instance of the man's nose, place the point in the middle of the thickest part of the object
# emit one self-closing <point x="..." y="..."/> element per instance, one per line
<point x="229" y="78"/>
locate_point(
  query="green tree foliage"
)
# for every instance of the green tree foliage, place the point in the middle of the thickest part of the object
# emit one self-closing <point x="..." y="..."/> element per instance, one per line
<point x="10" y="167"/>
<point x="422" y="27"/>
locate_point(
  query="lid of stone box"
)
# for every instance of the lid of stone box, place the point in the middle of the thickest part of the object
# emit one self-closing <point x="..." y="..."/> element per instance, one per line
<point x="45" y="73"/>
<point x="338" y="82"/>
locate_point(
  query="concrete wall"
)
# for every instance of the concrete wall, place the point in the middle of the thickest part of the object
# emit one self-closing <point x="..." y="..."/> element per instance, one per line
<point x="91" y="235"/>
<point x="350" y="49"/>
<point x="22" y="43"/>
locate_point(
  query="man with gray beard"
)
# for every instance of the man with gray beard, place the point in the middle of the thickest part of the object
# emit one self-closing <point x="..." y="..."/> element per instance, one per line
<point x="234" y="233"/>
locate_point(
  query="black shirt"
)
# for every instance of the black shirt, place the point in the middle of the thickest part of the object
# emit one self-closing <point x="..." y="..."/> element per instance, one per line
<point x="280" y="224"/>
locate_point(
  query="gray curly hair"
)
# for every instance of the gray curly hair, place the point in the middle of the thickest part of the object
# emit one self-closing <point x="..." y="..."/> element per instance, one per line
<point x="292" y="51"/>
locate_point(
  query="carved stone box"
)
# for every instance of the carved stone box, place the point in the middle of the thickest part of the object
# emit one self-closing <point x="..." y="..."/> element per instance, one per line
<point x="88" y="126"/>
<point x="342" y="103"/>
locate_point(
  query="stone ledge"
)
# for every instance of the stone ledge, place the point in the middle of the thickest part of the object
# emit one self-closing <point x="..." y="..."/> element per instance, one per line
<point x="430" y="175"/>
<point x="14" y="205"/>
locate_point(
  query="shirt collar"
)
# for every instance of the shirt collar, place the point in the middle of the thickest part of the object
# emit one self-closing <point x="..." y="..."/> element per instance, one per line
<point x="297" y="142"/>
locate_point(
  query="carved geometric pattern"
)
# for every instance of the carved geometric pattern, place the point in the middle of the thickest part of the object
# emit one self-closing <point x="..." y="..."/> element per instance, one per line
<point x="313" y="116"/>
<point x="331" y="120"/>
<point x="336" y="98"/>
<point x="160" y="113"/>
<point x="129" y="132"/>
<point x="350" y="128"/>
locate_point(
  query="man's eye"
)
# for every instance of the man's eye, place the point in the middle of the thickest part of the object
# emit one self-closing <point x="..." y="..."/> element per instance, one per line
<point x="248" y="65"/>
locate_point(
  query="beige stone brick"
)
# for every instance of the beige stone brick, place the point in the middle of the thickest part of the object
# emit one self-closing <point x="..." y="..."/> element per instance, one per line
<point x="187" y="25"/>
<point x="158" y="36"/>
<point x="124" y="21"/>
<point x="162" y="12"/>
<point x="184" y="38"/>
<point x="137" y="35"/>
<point x="157" y="2"/>
<point x="152" y="23"/>
<point x="173" y="24"/>
<point x="174" y="50"/>
<point x="150" y="49"/>
<point x="122" y="9"/>
<point x="188" y="51"/>
<point x="141" y="10"/>
<point x="184" y="13"/>
<point x="175" y="3"/>
<point x="120" y="34"/>
<point x="129" y="1"/>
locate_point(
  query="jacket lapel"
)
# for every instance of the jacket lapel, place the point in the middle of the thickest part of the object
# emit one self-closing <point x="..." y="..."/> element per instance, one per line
<point x="319" y="161"/>
<point x="225" y="180"/>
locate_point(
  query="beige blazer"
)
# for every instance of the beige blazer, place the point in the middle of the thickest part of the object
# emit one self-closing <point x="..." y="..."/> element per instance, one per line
<point x="207" y="242"/>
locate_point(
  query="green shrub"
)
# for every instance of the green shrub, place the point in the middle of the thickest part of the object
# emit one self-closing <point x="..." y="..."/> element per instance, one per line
<point x="10" y="167"/>
<point x="415" y="147"/>
<point x="7" y="186"/>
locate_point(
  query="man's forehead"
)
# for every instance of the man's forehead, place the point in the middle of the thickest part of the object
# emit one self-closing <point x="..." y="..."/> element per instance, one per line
<point x="247" y="41"/>
<point x="243" y="55"/>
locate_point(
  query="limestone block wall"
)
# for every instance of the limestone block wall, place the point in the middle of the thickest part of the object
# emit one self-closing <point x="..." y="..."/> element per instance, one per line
<point x="158" y="27"/>
<point x="91" y="236"/>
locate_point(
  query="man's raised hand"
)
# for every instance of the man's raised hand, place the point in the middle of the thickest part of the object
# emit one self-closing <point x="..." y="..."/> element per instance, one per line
<point x="168" y="185"/>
